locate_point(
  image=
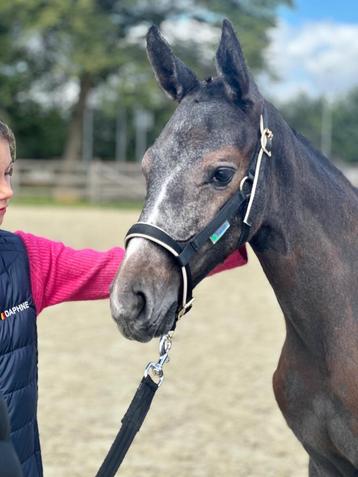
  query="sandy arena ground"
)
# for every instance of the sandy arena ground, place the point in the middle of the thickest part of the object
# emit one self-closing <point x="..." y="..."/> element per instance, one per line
<point x="214" y="416"/>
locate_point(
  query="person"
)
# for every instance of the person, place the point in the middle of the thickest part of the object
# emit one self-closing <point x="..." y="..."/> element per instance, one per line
<point x="9" y="462"/>
<point x="36" y="273"/>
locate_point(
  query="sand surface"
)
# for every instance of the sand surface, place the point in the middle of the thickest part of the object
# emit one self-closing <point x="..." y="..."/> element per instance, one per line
<point x="215" y="414"/>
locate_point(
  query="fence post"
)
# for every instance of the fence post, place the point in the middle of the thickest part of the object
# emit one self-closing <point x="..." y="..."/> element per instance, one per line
<point x="16" y="178"/>
<point x="93" y="183"/>
<point x="121" y="134"/>
<point x="87" y="134"/>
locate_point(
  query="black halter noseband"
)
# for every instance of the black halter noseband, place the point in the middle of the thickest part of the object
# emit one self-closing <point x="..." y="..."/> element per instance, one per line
<point x="239" y="204"/>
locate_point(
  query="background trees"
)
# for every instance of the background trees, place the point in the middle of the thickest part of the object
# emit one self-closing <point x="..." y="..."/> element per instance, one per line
<point x="66" y="64"/>
<point x="307" y="116"/>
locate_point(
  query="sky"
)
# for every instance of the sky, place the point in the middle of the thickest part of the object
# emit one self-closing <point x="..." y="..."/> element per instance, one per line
<point x="314" y="49"/>
<point x="345" y="11"/>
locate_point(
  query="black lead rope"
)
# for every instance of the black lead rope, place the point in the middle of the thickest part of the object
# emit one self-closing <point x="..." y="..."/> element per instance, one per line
<point x="137" y="411"/>
<point x="131" y="423"/>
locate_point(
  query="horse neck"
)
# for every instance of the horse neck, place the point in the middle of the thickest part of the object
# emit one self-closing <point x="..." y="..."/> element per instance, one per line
<point x="306" y="242"/>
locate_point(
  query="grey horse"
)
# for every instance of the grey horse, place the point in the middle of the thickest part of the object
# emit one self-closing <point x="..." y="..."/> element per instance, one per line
<point x="304" y="231"/>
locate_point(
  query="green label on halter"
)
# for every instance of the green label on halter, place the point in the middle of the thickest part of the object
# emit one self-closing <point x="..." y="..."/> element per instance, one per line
<point x="220" y="232"/>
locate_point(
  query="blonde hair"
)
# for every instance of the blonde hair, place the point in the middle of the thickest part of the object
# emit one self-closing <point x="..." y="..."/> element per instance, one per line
<point x="7" y="134"/>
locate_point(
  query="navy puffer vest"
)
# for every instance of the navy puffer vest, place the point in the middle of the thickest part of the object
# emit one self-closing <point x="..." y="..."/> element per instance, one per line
<point x="18" y="352"/>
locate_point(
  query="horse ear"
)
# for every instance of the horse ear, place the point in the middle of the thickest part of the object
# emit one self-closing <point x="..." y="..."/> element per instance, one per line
<point x="231" y="65"/>
<point x="172" y="74"/>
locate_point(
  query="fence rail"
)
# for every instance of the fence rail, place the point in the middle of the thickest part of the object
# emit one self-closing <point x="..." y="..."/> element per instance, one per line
<point x="97" y="181"/>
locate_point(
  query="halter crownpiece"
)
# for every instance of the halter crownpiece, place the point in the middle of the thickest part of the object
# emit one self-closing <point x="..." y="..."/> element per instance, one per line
<point x="216" y="228"/>
<point x="265" y="142"/>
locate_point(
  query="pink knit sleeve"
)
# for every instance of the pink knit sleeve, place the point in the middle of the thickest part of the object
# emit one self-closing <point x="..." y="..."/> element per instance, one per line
<point x="236" y="259"/>
<point x="59" y="273"/>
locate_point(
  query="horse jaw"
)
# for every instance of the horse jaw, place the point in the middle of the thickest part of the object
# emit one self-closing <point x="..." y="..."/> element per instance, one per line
<point x="144" y="294"/>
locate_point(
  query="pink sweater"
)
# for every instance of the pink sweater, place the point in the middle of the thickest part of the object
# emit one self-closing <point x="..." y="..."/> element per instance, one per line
<point x="59" y="273"/>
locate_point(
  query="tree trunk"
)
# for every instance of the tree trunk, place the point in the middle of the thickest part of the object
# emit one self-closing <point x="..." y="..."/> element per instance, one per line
<point x="65" y="191"/>
<point x="72" y="152"/>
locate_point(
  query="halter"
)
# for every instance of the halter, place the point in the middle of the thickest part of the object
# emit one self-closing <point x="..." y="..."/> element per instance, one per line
<point x="239" y="204"/>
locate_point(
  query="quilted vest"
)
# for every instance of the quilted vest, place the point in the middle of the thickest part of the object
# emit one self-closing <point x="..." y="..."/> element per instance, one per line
<point x="18" y="352"/>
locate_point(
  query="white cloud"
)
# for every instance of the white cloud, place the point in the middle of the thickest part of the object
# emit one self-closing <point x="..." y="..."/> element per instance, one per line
<point x="316" y="58"/>
<point x="188" y="29"/>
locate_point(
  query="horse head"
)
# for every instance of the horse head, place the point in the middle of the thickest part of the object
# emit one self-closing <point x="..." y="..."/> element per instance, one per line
<point x="192" y="170"/>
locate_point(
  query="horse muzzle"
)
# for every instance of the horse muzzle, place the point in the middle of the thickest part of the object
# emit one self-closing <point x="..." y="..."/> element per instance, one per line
<point x="144" y="294"/>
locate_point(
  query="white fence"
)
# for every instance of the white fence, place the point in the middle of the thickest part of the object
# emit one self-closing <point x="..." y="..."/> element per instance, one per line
<point x="97" y="181"/>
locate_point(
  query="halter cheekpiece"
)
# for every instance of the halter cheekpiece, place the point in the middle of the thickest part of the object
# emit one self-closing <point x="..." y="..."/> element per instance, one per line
<point x="239" y="204"/>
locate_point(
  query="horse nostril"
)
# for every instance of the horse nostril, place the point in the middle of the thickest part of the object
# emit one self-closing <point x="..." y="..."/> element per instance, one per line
<point x="141" y="300"/>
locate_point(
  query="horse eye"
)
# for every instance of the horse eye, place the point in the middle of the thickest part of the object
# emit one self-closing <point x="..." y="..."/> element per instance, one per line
<point x="223" y="175"/>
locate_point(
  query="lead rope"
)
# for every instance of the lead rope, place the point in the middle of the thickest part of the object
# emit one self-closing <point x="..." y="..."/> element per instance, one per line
<point x="138" y="409"/>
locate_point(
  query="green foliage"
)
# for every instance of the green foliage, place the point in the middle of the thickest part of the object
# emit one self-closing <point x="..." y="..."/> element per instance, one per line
<point x="345" y="128"/>
<point x="305" y="115"/>
<point x="13" y="67"/>
<point x="40" y="132"/>
<point x="49" y="44"/>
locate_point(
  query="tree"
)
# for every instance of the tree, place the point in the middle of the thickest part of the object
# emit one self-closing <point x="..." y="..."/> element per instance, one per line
<point x="16" y="67"/>
<point x="345" y="127"/>
<point x="84" y="43"/>
<point x="51" y="47"/>
<point x="306" y="114"/>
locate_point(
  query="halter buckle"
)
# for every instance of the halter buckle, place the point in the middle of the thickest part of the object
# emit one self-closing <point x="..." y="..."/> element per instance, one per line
<point x="266" y="141"/>
<point x="185" y="308"/>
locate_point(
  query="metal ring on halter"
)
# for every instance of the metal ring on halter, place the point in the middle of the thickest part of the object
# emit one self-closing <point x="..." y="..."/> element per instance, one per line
<point x="243" y="182"/>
